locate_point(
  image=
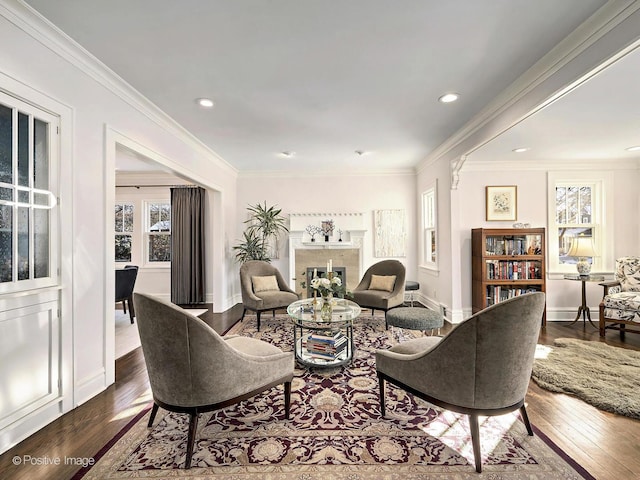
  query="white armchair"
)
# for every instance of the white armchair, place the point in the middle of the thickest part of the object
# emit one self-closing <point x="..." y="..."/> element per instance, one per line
<point x="620" y="306"/>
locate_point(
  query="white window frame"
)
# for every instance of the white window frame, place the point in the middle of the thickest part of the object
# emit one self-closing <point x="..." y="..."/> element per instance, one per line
<point x="148" y="233"/>
<point x="53" y="125"/>
<point x="601" y="183"/>
<point x="429" y="227"/>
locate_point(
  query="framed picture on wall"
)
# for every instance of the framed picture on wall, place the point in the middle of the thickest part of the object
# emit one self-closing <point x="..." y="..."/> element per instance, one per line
<point x="502" y="203"/>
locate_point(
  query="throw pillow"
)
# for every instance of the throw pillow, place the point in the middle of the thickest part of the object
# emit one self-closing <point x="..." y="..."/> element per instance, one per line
<point x="382" y="282"/>
<point x="265" y="284"/>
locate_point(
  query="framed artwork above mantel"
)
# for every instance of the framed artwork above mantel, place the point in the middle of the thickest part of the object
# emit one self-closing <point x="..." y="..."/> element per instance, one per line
<point x="501" y="203"/>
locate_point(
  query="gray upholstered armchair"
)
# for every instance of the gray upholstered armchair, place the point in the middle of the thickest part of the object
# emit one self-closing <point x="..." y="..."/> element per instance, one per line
<point x="382" y="286"/>
<point x="263" y="288"/>
<point x="192" y="369"/>
<point x="620" y="306"/>
<point x="482" y="367"/>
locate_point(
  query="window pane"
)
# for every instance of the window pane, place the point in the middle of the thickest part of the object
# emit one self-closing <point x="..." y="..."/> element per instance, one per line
<point x="6" y="243"/>
<point x="154" y="215"/>
<point x="433" y="246"/>
<point x="6" y="146"/>
<point x="41" y="243"/>
<point x="160" y="248"/>
<point x="160" y="218"/>
<point x="585" y="205"/>
<point x="118" y="218"/>
<point x="23" y="150"/>
<point x="40" y="155"/>
<point x="572" y="205"/>
<point x="561" y="205"/>
<point x="41" y="199"/>
<point x="128" y="218"/>
<point x="123" y="248"/>
<point x="23" y="243"/>
<point x="6" y="194"/>
<point x="23" y="196"/>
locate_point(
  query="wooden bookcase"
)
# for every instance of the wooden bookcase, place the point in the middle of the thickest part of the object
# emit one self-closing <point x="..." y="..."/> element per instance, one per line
<point x="505" y="263"/>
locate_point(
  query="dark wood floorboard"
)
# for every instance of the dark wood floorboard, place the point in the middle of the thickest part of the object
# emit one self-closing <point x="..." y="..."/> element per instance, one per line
<point x="607" y="445"/>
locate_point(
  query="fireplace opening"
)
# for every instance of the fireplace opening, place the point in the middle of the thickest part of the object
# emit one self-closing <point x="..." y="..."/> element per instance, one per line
<point x="322" y="272"/>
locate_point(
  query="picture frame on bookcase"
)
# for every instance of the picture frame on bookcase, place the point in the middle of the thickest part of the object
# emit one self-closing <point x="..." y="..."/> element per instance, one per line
<point x="501" y="203"/>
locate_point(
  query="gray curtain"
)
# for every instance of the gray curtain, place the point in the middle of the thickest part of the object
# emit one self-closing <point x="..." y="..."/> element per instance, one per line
<point x="187" y="245"/>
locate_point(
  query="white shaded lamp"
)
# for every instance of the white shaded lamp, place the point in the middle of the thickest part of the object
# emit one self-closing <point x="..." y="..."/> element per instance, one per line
<point x="582" y="248"/>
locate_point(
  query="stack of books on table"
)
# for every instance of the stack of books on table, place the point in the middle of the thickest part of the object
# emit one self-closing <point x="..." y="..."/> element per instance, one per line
<point x="326" y="345"/>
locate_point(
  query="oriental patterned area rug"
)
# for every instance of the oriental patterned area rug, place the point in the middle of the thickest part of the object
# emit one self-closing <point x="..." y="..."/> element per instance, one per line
<point x="604" y="376"/>
<point x="335" y="431"/>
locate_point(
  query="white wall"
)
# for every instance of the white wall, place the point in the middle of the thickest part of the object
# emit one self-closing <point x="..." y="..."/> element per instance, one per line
<point x="563" y="296"/>
<point x="101" y="112"/>
<point x="339" y="193"/>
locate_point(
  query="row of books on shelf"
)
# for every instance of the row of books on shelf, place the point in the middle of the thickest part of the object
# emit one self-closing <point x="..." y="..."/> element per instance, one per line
<point x="498" y="293"/>
<point x="529" y="245"/>
<point x="326" y="345"/>
<point x="513" y="270"/>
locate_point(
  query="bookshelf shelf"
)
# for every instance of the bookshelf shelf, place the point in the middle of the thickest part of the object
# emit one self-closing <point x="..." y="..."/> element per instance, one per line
<point x="506" y="262"/>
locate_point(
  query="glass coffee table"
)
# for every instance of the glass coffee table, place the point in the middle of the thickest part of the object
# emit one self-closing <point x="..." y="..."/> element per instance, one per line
<point x="323" y="343"/>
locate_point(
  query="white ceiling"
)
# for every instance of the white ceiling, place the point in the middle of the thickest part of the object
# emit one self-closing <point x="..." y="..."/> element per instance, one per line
<point x="325" y="78"/>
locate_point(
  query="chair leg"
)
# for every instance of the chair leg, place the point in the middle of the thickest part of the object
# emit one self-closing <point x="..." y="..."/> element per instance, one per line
<point x="475" y="440"/>
<point x="152" y="417"/>
<point x="382" y="406"/>
<point x="287" y="399"/>
<point x="622" y="330"/>
<point x="258" y="315"/>
<point x="132" y="313"/>
<point x="193" y="425"/>
<point x="525" y="419"/>
<point x="243" y="312"/>
<point x="274" y="313"/>
<point x="124" y="306"/>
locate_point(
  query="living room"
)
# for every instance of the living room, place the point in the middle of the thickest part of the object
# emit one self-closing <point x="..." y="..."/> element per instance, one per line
<point x="99" y="116"/>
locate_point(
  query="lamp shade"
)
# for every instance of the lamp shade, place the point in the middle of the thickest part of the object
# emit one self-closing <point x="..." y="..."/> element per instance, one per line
<point x="582" y="247"/>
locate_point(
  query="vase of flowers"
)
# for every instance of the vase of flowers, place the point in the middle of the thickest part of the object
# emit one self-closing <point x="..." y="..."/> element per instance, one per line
<point x="327" y="287"/>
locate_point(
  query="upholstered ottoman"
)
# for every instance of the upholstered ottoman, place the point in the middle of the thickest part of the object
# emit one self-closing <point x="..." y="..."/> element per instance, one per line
<point x="414" y="318"/>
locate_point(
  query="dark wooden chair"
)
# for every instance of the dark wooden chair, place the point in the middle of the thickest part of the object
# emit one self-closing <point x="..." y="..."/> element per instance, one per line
<point x="125" y="283"/>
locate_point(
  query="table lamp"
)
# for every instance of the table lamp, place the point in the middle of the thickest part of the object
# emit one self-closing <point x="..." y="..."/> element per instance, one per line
<point x="582" y="248"/>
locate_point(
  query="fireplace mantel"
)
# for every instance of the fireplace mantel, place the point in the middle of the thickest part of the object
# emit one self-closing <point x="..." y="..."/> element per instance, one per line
<point x="353" y="231"/>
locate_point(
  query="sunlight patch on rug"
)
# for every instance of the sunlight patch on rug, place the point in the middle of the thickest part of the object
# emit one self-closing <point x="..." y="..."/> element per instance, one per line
<point x="335" y="431"/>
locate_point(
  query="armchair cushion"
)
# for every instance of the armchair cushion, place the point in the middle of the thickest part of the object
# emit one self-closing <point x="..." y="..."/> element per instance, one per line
<point x="267" y="283"/>
<point x="622" y="306"/>
<point x="382" y="282"/>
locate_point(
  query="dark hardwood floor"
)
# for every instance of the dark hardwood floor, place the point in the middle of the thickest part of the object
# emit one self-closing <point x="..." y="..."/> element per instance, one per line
<point x="607" y="445"/>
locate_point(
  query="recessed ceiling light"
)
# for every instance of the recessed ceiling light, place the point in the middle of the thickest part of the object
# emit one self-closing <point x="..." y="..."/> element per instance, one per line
<point x="633" y="149"/>
<point x="521" y="149"/>
<point x="449" y="97"/>
<point x="205" y="102"/>
<point x="287" y="154"/>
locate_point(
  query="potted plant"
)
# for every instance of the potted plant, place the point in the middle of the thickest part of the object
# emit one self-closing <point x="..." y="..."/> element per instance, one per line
<point x="264" y="223"/>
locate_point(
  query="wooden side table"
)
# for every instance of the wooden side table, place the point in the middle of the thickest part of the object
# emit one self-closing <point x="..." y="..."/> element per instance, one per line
<point x="584" y="308"/>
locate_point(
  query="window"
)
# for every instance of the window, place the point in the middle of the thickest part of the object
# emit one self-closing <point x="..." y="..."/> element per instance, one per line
<point x="28" y="213"/>
<point x="124" y="231"/>
<point x="577" y="208"/>
<point x="158" y="232"/>
<point x="429" y="227"/>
